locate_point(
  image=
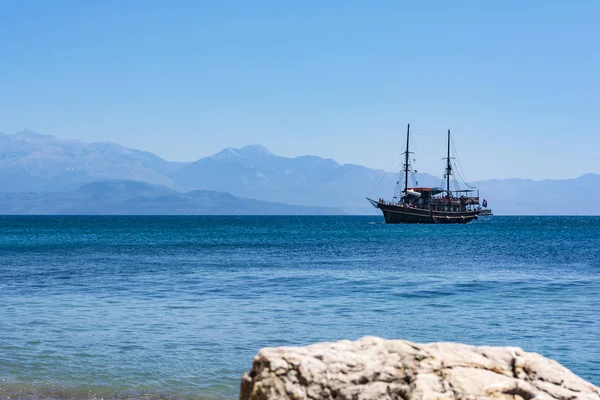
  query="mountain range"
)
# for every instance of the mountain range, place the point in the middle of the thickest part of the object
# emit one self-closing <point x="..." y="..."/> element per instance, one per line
<point x="41" y="170"/>
<point x="141" y="198"/>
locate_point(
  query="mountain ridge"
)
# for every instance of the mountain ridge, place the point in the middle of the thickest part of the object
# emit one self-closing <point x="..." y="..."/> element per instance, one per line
<point x="32" y="162"/>
<point x="139" y="198"/>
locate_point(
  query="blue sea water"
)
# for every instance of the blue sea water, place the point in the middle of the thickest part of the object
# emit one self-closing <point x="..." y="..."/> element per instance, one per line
<point x="176" y="307"/>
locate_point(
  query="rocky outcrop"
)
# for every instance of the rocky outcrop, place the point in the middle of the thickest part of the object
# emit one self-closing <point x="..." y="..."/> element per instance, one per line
<point x="374" y="368"/>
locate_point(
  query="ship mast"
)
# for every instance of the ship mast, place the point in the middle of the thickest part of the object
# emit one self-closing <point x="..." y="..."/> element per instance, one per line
<point x="406" y="162"/>
<point x="448" y="166"/>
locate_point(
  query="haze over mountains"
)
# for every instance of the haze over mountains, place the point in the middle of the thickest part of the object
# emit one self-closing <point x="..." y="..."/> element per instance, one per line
<point x="56" y="174"/>
<point x="141" y="198"/>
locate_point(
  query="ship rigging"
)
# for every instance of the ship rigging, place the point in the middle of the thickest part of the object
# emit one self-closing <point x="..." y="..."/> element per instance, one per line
<point x="429" y="204"/>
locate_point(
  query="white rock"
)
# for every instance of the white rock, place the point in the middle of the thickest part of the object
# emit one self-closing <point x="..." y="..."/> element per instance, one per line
<point x="373" y="368"/>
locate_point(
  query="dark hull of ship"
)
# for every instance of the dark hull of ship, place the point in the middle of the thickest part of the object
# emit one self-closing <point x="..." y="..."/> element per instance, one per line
<point x="397" y="214"/>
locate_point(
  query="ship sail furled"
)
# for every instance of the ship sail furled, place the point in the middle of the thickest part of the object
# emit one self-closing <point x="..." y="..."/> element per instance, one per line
<point x="430" y="205"/>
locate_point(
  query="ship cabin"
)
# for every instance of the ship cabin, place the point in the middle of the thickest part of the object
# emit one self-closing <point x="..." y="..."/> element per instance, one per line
<point x="439" y="199"/>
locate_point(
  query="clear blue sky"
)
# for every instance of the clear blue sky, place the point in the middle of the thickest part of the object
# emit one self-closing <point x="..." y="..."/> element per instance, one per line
<point x="517" y="82"/>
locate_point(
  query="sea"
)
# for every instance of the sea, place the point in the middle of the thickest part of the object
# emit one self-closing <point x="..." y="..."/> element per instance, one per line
<point x="111" y="307"/>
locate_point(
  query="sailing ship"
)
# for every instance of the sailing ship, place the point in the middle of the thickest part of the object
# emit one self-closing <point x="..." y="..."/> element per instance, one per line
<point x="429" y="204"/>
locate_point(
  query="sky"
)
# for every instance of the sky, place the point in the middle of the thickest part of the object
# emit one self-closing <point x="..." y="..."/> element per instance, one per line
<point x="516" y="82"/>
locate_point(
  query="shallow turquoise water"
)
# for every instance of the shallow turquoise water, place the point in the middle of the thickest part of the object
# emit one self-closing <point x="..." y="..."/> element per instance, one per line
<point x="171" y="307"/>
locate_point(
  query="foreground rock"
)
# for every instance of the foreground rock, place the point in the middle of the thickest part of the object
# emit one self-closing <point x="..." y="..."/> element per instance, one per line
<point x="373" y="368"/>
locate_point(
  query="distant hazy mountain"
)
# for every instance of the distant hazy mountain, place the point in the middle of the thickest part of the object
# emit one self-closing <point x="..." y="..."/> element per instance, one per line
<point x="33" y="162"/>
<point x="139" y="198"/>
<point x="254" y="172"/>
<point x="30" y="162"/>
<point x="579" y="196"/>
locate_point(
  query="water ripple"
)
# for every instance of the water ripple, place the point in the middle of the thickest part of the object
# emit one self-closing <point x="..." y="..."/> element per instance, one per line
<point x="176" y="307"/>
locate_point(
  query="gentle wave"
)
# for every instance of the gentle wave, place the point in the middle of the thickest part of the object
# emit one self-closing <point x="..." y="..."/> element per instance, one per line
<point x="176" y="307"/>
